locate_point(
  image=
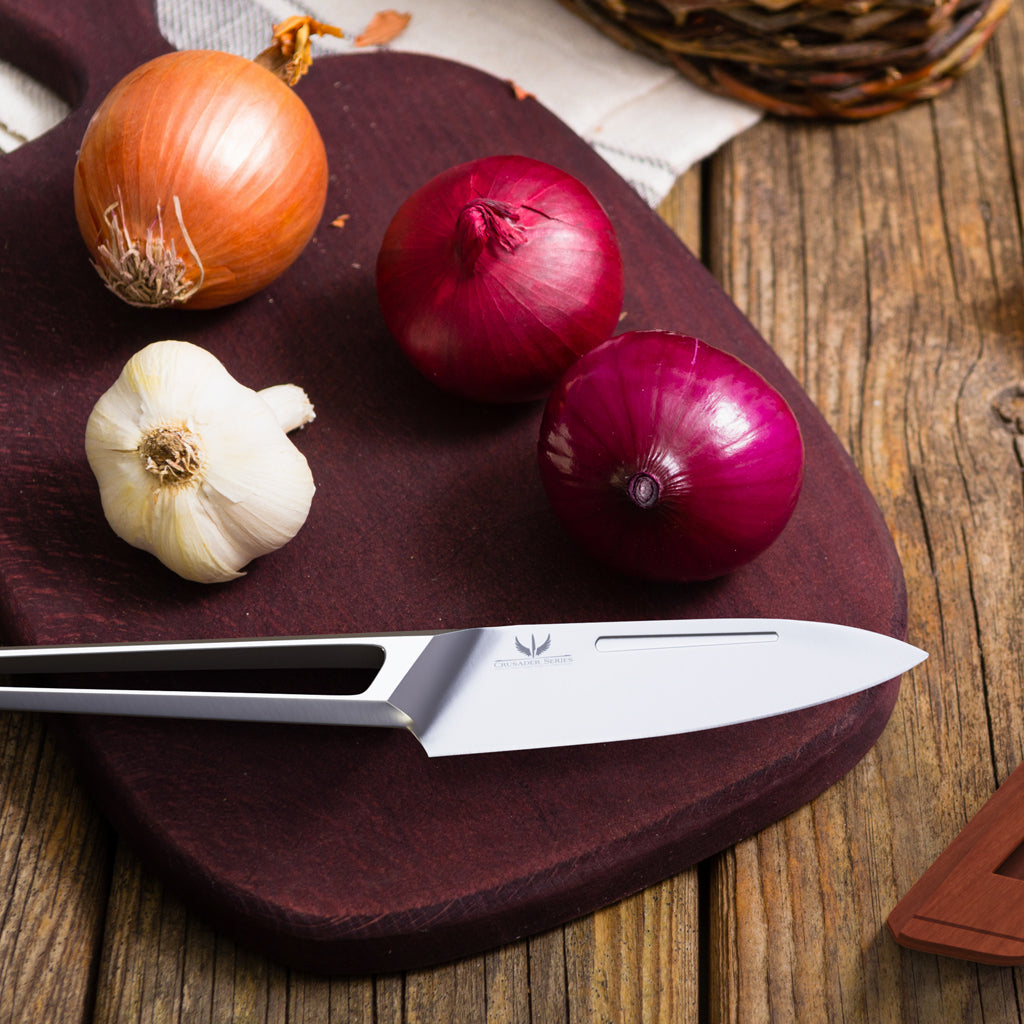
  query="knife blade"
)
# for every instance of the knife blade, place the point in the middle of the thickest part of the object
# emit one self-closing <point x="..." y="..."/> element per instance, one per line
<point x="494" y="688"/>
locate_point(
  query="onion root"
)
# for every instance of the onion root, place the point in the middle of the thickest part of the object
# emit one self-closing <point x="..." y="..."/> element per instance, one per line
<point x="644" y="490"/>
<point x="151" y="274"/>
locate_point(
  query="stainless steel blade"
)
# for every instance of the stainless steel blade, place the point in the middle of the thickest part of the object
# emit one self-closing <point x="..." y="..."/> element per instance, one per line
<point x="585" y="683"/>
<point x="502" y="687"/>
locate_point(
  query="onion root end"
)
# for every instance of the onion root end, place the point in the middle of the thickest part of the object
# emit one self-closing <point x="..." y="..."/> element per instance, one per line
<point x="149" y="273"/>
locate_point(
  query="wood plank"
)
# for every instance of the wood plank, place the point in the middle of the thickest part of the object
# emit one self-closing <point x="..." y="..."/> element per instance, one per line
<point x="683" y="210"/>
<point x="873" y="255"/>
<point x="634" y="962"/>
<point x="638" y="962"/>
<point x="54" y="869"/>
<point x="160" y="964"/>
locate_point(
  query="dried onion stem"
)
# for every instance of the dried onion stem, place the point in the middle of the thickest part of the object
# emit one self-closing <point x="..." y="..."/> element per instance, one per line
<point x="289" y="56"/>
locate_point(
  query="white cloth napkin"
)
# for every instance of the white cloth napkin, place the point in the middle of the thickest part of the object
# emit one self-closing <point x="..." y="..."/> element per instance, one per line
<point x="27" y="109"/>
<point x="647" y="121"/>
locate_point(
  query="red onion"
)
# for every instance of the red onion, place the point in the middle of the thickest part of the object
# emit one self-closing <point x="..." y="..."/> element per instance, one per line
<point x="669" y="459"/>
<point x="497" y="274"/>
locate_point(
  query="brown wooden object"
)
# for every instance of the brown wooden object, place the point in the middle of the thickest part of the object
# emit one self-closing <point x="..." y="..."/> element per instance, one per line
<point x="970" y="903"/>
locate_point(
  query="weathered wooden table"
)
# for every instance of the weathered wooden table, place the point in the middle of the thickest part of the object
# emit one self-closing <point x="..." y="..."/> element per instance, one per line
<point x="885" y="263"/>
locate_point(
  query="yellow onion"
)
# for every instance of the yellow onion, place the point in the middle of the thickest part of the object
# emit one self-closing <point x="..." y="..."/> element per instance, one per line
<point x="201" y="178"/>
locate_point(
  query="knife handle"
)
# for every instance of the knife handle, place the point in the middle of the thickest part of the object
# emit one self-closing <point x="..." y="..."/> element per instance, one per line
<point x="362" y="651"/>
<point x="390" y="656"/>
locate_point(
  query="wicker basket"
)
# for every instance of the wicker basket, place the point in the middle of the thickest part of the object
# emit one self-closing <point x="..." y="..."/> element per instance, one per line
<point x="842" y="59"/>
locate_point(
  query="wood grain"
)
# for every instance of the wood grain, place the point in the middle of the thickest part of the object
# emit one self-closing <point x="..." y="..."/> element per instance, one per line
<point x="54" y="869"/>
<point x="638" y="961"/>
<point x="633" y="963"/>
<point x="884" y="263"/>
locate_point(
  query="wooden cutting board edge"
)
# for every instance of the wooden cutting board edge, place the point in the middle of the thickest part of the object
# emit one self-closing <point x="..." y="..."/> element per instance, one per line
<point x="485" y="920"/>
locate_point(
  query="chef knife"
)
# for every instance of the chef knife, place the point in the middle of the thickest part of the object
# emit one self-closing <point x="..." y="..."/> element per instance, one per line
<point x="496" y="687"/>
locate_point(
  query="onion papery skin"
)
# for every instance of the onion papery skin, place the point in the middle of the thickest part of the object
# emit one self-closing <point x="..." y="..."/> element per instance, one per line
<point x="497" y="274"/>
<point x="711" y="452"/>
<point x="236" y="147"/>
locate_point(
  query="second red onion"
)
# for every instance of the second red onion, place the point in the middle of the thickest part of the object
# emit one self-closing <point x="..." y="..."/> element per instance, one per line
<point x="668" y="458"/>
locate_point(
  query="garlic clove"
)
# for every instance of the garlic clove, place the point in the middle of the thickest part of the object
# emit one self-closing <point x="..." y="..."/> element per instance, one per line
<point x="194" y="543"/>
<point x="196" y="468"/>
<point x="291" y="406"/>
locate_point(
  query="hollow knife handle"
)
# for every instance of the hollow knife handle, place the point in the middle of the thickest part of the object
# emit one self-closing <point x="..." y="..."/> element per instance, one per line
<point x="390" y="656"/>
<point x="366" y="651"/>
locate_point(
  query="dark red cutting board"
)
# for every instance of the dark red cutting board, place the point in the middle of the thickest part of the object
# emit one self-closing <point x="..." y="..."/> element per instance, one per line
<point x="340" y="850"/>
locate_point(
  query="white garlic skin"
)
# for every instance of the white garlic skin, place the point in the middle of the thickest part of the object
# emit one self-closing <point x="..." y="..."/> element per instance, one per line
<point x="246" y="490"/>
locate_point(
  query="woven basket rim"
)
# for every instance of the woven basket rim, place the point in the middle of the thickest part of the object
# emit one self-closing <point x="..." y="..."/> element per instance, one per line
<point x="849" y="59"/>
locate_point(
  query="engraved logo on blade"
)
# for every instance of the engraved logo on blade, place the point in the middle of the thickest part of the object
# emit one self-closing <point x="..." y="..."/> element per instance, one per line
<point x="533" y="651"/>
<point x="533" y="655"/>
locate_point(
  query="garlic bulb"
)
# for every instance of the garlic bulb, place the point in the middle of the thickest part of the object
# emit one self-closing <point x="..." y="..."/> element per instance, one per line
<point x="196" y="468"/>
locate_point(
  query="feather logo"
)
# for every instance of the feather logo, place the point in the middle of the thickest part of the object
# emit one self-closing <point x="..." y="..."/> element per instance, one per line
<point x="533" y="655"/>
<point x="533" y="651"/>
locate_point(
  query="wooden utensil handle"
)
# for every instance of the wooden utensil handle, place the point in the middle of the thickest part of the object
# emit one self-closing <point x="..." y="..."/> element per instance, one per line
<point x="970" y="903"/>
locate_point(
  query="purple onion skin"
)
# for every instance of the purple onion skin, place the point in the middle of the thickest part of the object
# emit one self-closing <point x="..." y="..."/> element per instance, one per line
<point x="669" y="459"/>
<point x="496" y="275"/>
